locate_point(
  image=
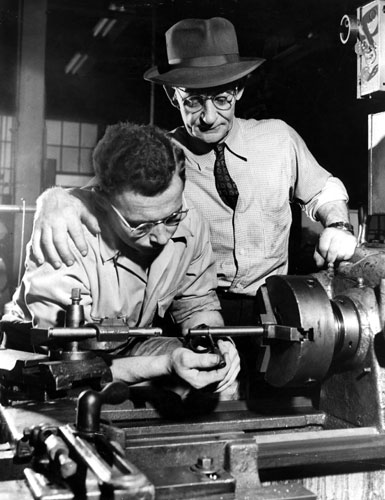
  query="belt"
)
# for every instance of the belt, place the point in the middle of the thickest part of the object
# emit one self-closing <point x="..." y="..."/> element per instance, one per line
<point x="224" y="293"/>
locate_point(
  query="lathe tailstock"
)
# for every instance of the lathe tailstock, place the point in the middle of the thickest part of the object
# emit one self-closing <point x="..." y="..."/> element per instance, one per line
<point x="311" y="425"/>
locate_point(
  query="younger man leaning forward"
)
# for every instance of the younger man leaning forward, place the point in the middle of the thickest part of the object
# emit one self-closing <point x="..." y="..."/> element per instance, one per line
<point x="152" y="255"/>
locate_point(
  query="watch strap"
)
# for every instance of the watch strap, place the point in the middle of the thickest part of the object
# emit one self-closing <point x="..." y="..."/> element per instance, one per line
<point x="345" y="226"/>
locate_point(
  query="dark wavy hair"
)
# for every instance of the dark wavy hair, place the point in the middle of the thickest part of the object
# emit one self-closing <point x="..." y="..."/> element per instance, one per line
<point x="140" y="158"/>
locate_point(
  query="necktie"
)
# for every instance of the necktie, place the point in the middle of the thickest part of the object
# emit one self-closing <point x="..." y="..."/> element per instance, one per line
<point x="226" y="187"/>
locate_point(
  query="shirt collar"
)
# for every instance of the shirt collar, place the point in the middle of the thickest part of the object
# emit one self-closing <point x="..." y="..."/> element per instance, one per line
<point x="234" y="143"/>
<point x="234" y="140"/>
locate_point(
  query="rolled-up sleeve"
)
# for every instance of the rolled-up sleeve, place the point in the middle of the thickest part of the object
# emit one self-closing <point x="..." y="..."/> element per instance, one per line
<point x="334" y="190"/>
<point x="313" y="185"/>
<point x="308" y="176"/>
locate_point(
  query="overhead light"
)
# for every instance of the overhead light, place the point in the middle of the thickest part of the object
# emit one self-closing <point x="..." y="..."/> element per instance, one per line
<point x="76" y="63"/>
<point x="100" y="25"/>
<point x="103" y="27"/>
<point x="119" y="6"/>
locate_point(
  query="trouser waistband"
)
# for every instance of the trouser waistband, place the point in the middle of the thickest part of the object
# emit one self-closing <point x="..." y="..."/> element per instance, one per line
<point x="224" y="292"/>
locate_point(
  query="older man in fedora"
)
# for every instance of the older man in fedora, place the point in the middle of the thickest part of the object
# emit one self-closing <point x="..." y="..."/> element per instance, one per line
<point x="242" y="175"/>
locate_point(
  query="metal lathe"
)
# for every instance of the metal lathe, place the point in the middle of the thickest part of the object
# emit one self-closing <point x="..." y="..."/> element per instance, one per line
<point x="311" y="423"/>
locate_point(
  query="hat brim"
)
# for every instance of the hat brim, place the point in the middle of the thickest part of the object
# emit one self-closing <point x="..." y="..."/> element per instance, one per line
<point x="204" y="76"/>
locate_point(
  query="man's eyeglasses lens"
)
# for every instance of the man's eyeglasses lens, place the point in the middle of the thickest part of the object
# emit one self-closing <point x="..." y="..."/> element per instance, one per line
<point x="222" y="101"/>
<point x="142" y="229"/>
<point x="175" y="218"/>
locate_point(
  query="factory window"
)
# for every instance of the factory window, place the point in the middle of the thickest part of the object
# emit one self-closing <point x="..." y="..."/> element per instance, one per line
<point x="6" y="158"/>
<point x="68" y="162"/>
<point x="70" y="145"/>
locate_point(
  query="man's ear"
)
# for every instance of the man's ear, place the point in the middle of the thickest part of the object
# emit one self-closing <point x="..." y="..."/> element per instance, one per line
<point x="239" y="93"/>
<point x="170" y="92"/>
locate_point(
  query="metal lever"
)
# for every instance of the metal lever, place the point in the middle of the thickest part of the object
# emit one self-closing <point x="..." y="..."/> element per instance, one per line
<point x="43" y="440"/>
<point x="362" y="225"/>
<point x="119" y="474"/>
<point x="68" y="453"/>
<point x="90" y="403"/>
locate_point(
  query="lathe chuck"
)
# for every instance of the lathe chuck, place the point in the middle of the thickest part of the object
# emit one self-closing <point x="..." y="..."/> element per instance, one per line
<point x="330" y="330"/>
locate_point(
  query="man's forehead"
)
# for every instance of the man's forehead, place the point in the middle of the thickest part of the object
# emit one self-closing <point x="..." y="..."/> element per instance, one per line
<point x="209" y="90"/>
<point x="165" y="202"/>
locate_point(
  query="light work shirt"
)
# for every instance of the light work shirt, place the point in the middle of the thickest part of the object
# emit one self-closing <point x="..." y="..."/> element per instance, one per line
<point x="182" y="278"/>
<point x="272" y="167"/>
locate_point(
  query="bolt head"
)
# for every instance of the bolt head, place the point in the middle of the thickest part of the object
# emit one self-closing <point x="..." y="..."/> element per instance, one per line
<point x="205" y="463"/>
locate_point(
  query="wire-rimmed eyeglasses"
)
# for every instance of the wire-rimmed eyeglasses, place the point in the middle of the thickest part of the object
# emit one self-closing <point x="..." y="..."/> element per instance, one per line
<point x="145" y="227"/>
<point x="222" y="101"/>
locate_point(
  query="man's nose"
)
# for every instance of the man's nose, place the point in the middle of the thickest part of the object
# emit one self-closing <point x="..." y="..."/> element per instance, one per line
<point x="209" y="111"/>
<point x="160" y="234"/>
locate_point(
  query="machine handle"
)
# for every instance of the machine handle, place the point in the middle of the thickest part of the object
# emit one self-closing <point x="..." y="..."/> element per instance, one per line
<point x="362" y="225"/>
<point x="115" y="393"/>
<point x="349" y="29"/>
<point x="110" y="467"/>
<point x="90" y="403"/>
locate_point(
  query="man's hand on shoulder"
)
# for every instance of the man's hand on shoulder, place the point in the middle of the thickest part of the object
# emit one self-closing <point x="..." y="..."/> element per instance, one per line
<point x="59" y="216"/>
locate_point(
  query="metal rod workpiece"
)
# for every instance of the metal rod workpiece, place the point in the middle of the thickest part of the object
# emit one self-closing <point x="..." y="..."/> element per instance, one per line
<point x="40" y="336"/>
<point x="95" y="331"/>
<point x="233" y="331"/>
<point x="17" y="209"/>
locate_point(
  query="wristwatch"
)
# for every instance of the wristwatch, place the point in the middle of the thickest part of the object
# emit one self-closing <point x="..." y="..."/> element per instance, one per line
<point x="345" y="226"/>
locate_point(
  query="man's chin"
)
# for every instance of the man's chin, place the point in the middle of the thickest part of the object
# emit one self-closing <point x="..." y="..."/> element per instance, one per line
<point x="209" y="137"/>
<point x="151" y="251"/>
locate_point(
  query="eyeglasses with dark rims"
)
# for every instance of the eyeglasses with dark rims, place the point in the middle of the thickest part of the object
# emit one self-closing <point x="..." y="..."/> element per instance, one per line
<point x="222" y="101"/>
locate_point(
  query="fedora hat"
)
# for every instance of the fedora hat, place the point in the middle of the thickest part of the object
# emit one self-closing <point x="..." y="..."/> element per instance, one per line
<point x="202" y="53"/>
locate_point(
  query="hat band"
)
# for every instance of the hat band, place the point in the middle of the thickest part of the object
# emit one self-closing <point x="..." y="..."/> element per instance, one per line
<point x="204" y="61"/>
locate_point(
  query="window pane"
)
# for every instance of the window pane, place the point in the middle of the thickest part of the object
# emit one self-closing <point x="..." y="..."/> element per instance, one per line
<point x="86" y="161"/>
<point x="6" y="150"/>
<point x="71" y="133"/>
<point x="6" y="128"/>
<point x="53" y="132"/>
<point x="70" y="160"/>
<point x="89" y="134"/>
<point x="53" y="153"/>
<point x="6" y="181"/>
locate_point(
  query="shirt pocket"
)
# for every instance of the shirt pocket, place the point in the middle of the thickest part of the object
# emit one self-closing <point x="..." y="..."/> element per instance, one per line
<point x="277" y="218"/>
